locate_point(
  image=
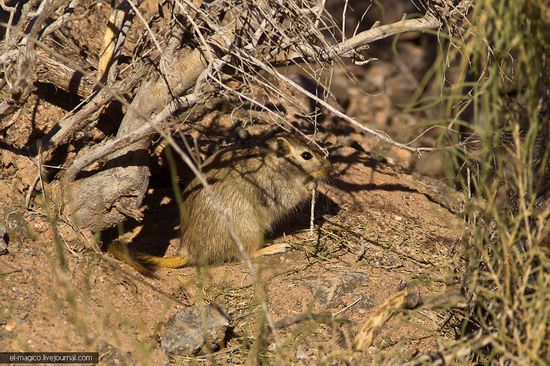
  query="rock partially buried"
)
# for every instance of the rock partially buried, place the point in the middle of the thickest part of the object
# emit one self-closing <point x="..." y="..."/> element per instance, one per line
<point x="3" y="240"/>
<point x="195" y="329"/>
<point x="111" y="355"/>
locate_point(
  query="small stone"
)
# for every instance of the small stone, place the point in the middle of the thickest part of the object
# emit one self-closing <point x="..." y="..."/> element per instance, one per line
<point x="301" y="353"/>
<point x="110" y="355"/>
<point x="185" y="331"/>
<point x="10" y="326"/>
<point x="16" y="225"/>
<point x="3" y="240"/>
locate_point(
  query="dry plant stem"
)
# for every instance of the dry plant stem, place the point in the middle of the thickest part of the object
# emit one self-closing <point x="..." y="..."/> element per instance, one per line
<point x="31" y="189"/>
<point x="348" y="47"/>
<point x="113" y="39"/>
<point x="312" y="214"/>
<point x="347" y="307"/>
<point x="11" y="11"/>
<point x="325" y="317"/>
<point x="399" y="301"/>
<point x="342" y="49"/>
<point x="428" y="21"/>
<point x="153" y="96"/>
<point x="190" y="18"/>
<point x="63" y="19"/>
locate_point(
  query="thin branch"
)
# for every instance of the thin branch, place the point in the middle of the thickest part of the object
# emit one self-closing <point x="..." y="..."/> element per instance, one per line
<point x="75" y="122"/>
<point x="65" y="18"/>
<point x="115" y="34"/>
<point x="147" y="129"/>
<point x="427" y="22"/>
<point x="349" y="47"/>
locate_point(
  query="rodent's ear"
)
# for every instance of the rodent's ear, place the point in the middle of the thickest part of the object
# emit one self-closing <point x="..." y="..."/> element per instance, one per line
<point x="283" y="146"/>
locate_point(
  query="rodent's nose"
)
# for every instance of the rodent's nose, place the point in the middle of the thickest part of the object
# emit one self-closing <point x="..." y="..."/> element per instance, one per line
<point x="324" y="169"/>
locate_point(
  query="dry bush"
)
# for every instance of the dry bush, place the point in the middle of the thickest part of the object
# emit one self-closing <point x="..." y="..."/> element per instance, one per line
<point x="197" y="54"/>
<point x="496" y="115"/>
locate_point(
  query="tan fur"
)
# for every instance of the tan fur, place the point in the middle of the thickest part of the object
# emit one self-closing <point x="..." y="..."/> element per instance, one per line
<point x="256" y="186"/>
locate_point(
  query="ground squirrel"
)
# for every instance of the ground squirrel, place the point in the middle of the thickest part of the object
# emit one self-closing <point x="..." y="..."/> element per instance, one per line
<point x="255" y="185"/>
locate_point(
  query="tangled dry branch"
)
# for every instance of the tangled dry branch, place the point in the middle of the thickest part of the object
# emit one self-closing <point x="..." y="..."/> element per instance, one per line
<point x="191" y="52"/>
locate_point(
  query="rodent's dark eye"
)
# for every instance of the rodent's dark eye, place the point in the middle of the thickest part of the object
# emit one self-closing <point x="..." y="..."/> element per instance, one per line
<point x="306" y="155"/>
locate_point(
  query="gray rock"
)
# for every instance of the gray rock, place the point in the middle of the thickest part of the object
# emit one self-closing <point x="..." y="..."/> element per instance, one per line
<point x="3" y="240"/>
<point x="16" y="225"/>
<point x="195" y="329"/>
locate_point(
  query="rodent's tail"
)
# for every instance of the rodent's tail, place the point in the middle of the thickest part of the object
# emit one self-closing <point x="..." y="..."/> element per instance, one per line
<point x="144" y="263"/>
